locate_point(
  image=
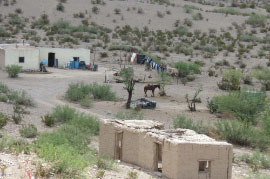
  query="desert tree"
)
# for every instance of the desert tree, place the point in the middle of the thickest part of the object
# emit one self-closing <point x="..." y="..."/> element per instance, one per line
<point x="164" y="79"/>
<point x="127" y="75"/>
<point x="195" y="99"/>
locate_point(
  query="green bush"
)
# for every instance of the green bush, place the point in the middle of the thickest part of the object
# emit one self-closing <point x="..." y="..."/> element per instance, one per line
<point x="105" y="163"/>
<point x="243" y="105"/>
<point x="132" y="175"/>
<point x="21" y="98"/>
<point x="60" y="7"/>
<point x="63" y="113"/>
<point x="13" y="70"/>
<point x="18" y="112"/>
<point x="131" y="114"/>
<point x="256" y="20"/>
<point x="263" y="75"/>
<point x="102" y="92"/>
<point x="3" y="88"/>
<point x="257" y="160"/>
<point x="48" y="120"/>
<point x="29" y="131"/>
<point x="67" y="147"/>
<point x="249" y="38"/>
<point x="228" y="10"/>
<point x="3" y="120"/>
<point x="235" y="132"/>
<point x="185" y="69"/>
<point x="182" y="122"/>
<point x="190" y="8"/>
<point x="197" y="16"/>
<point x="231" y="80"/>
<point x="210" y="48"/>
<point x="77" y="91"/>
<point x="87" y="103"/>
<point x="12" y="145"/>
<point x="3" y="98"/>
<point x="188" y="22"/>
<point x="80" y="91"/>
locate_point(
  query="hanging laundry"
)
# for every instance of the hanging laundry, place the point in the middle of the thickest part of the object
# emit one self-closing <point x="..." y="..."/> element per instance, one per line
<point x="148" y="60"/>
<point x="153" y="65"/>
<point x="133" y="57"/>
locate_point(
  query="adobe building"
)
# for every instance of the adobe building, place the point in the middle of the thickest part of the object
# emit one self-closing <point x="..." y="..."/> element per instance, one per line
<point x="63" y="55"/>
<point x="25" y="56"/>
<point x="29" y="57"/>
<point x="178" y="154"/>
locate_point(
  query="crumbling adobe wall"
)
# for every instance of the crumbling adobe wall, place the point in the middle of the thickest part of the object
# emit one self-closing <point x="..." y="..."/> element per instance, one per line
<point x="189" y="154"/>
<point x="170" y="161"/>
<point x="106" y="139"/>
<point x="147" y="152"/>
<point x="130" y="148"/>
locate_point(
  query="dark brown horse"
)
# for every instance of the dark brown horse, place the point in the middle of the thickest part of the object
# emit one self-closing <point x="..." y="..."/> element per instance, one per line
<point x="151" y="88"/>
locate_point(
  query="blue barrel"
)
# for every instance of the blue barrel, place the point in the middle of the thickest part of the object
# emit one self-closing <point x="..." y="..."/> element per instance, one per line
<point x="76" y="64"/>
<point x="72" y="65"/>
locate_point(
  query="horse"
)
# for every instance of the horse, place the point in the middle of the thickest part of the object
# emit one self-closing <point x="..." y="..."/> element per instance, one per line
<point x="152" y="88"/>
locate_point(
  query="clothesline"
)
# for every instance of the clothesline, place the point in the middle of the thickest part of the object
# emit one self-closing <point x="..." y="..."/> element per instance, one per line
<point x="152" y="64"/>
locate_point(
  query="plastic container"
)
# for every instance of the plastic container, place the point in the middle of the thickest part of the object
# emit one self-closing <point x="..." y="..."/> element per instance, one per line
<point x="72" y="65"/>
<point x="76" y="64"/>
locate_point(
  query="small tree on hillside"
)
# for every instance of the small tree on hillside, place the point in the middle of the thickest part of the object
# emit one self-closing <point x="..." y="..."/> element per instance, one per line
<point x="164" y="79"/>
<point x="127" y="75"/>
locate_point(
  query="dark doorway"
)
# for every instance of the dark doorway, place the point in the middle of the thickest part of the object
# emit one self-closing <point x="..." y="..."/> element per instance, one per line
<point x="158" y="157"/>
<point x="51" y="59"/>
<point x="76" y="59"/>
<point x="118" y="145"/>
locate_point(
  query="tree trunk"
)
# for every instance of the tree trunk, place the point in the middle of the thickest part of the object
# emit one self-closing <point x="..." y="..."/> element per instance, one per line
<point x="129" y="99"/>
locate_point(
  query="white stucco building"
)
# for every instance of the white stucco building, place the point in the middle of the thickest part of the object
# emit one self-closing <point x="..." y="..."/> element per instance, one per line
<point x="23" y="55"/>
<point x="29" y="57"/>
<point x="63" y="55"/>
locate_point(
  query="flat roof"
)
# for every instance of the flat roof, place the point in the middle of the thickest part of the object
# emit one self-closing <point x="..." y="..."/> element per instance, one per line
<point x="16" y="46"/>
<point x="156" y="129"/>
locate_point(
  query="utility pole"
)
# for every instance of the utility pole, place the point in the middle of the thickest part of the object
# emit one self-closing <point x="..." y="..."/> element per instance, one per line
<point x="94" y="49"/>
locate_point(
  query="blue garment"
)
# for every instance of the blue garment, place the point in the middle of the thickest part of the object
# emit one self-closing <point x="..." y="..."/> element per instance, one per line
<point x="148" y="60"/>
<point x="44" y="62"/>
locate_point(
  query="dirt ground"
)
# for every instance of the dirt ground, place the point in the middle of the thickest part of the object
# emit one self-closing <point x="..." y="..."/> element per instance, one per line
<point x="48" y="90"/>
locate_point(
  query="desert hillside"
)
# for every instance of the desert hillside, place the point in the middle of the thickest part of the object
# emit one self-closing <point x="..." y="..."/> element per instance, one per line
<point x="219" y="54"/>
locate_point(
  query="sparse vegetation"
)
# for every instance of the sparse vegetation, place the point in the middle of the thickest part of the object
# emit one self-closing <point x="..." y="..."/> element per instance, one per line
<point x="67" y="146"/>
<point x="13" y="70"/>
<point x="181" y="121"/>
<point x="195" y="99"/>
<point x="18" y="113"/>
<point x="256" y="20"/>
<point x="263" y="75"/>
<point x="29" y="131"/>
<point x="80" y="91"/>
<point x="231" y="80"/>
<point x="3" y="120"/>
<point x="131" y="114"/>
<point x="48" y="120"/>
